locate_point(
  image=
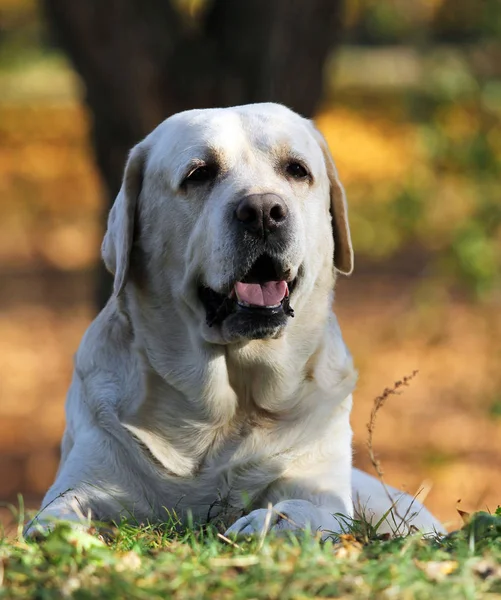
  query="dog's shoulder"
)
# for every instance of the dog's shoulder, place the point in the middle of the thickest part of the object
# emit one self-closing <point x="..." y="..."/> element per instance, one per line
<point x="107" y="338"/>
<point x="106" y="363"/>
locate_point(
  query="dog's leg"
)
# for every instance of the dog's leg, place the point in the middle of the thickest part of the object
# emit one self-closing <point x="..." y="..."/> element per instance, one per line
<point x="398" y="512"/>
<point x="314" y="491"/>
<point x="317" y="499"/>
<point x="292" y="515"/>
<point x="87" y="486"/>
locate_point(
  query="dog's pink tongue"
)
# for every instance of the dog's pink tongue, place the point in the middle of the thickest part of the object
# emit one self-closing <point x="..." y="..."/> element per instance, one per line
<point x="269" y="293"/>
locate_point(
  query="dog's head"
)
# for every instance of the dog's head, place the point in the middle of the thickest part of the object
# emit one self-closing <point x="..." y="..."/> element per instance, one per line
<point x="233" y="215"/>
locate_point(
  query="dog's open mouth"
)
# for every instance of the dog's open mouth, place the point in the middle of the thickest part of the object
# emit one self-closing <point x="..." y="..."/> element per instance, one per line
<point x="264" y="291"/>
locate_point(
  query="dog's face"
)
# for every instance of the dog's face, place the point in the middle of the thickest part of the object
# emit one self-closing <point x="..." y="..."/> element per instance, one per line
<point x="232" y="214"/>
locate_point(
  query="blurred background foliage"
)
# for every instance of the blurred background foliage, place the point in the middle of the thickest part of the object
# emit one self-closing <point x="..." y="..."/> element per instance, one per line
<point x="411" y="111"/>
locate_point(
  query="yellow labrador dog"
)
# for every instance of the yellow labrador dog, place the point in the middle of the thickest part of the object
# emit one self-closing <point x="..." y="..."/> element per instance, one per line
<point x="216" y="382"/>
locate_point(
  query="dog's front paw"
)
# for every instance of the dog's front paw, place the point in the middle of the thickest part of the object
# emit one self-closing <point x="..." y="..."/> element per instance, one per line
<point x="289" y="515"/>
<point x="38" y="529"/>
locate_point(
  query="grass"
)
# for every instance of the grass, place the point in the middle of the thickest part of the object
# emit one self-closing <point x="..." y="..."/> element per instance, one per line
<point x="142" y="561"/>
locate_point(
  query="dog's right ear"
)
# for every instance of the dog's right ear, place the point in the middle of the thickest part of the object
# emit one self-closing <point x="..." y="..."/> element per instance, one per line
<point x="343" y="249"/>
<point x="117" y="243"/>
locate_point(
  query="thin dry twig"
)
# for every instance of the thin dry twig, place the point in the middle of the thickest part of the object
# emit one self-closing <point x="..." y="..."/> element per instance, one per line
<point x="423" y="491"/>
<point x="420" y="496"/>
<point x="228" y="541"/>
<point x="35" y="518"/>
<point x="288" y="519"/>
<point x="378" y="404"/>
<point x="266" y="526"/>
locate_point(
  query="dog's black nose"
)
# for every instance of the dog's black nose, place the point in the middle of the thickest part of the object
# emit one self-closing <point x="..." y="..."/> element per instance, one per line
<point x="261" y="214"/>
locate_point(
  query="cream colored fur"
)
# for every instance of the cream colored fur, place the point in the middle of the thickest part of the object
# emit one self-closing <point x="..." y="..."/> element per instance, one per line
<point x="167" y="414"/>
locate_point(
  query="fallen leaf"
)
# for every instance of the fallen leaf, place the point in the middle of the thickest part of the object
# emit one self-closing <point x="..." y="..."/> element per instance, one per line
<point x="348" y="547"/>
<point x="235" y="561"/>
<point x="437" y="570"/>
<point x="129" y="561"/>
<point x="487" y="568"/>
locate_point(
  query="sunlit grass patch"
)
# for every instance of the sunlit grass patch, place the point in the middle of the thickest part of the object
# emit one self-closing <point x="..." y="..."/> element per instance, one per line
<point x="148" y="561"/>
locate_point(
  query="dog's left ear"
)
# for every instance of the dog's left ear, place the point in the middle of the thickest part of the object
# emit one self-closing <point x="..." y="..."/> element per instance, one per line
<point x="343" y="249"/>
<point x="117" y="243"/>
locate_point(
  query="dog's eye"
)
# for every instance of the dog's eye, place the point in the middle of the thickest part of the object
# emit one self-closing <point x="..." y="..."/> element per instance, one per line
<point x="201" y="174"/>
<point x="296" y="170"/>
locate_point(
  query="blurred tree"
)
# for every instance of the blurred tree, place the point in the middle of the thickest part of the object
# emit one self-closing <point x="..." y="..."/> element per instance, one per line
<point x="143" y="60"/>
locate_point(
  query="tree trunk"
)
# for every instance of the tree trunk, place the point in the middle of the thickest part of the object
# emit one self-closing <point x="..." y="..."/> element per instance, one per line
<point x="143" y="60"/>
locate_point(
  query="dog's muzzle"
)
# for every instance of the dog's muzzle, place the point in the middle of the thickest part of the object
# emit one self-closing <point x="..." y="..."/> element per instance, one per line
<point x="257" y="303"/>
<point x="260" y="301"/>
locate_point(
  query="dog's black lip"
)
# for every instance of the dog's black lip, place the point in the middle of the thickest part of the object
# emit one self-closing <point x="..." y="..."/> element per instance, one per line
<point x="220" y="304"/>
